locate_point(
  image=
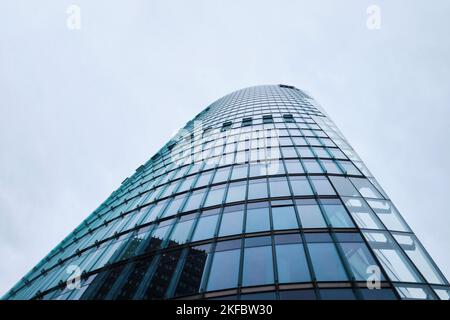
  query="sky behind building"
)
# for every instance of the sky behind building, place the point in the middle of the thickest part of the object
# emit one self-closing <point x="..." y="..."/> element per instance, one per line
<point x="81" y="109"/>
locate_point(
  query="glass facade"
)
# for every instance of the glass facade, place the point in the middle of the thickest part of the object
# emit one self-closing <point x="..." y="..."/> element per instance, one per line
<point x="258" y="197"/>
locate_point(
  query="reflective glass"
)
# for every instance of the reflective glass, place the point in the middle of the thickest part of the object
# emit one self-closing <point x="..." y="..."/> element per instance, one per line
<point x="258" y="266"/>
<point x="300" y="186"/>
<point x="257" y="189"/>
<point x="310" y="214"/>
<point x="232" y="220"/>
<point x="336" y="213"/>
<point x="291" y="263"/>
<point x="206" y="225"/>
<point x="236" y="191"/>
<point x="322" y="186"/>
<point x="284" y="218"/>
<point x="224" y="270"/>
<point x="257" y="218"/>
<point x="279" y="187"/>
<point x="326" y="262"/>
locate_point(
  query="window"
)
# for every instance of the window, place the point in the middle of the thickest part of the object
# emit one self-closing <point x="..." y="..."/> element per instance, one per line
<point x="284" y="218"/>
<point x="222" y="175"/>
<point x="301" y="186"/>
<point x="182" y="229"/>
<point x="203" y="179"/>
<point x="258" y="264"/>
<point x="258" y="169"/>
<point x="326" y="262"/>
<point x="322" y="186"/>
<point x="349" y="167"/>
<point x="232" y="220"/>
<point x="310" y="214"/>
<point x="246" y="122"/>
<point x="362" y="214"/>
<point x="415" y="292"/>
<point x="331" y="167"/>
<point x="391" y="257"/>
<point x="291" y="263"/>
<point x="267" y="119"/>
<point x="195" y="200"/>
<point x="358" y="255"/>
<point x="206" y="225"/>
<point x="257" y="189"/>
<point x="344" y="187"/>
<point x="215" y="195"/>
<point x="192" y="272"/>
<point x="419" y="257"/>
<point x="174" y="205"/>
<point x="257" y="217"/>
<point x="294" y="166"/>
<point x="224" y="268"/>
<point x="388" y="214"/>
<point x="226" y="126"/>
<point x="288" y="118"/>
<point x="366" y="189"/>
<point x="312" y="166"/>
<point x="304" y="152"/>
<point x="336" y="213"/>
<point x="236" y="191"/>
<point x="279" y="187"/>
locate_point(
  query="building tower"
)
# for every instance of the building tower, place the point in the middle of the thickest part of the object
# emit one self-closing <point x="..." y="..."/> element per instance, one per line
<point x="258" y="197"/>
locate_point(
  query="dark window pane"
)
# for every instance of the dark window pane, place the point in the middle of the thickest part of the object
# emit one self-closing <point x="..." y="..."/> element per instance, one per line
<point x="224" y="270"/>
<point x="291" y="263"/>
<point x="326" y="262"/>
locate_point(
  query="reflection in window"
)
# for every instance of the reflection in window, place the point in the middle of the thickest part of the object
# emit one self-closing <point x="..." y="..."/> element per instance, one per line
<point x="393" y="260"/>
<point x="310" y="214"/>
<point x="415" y="292"/>
<point x="239" y="172"/>
<point x="257" y="217"/>
<point x="215" y="195"/>
<point x="419" y="257"/>
<point x="312" y="166"/>
<point x="336" y="213"/>
<point x="182" y="229"/>
<point x="326" y="262"/>
<point x="232" y="220"/>
<point x="222" y="175"/>
<point x="331" y="167"/>
<point x="224" y="269"/>
<point x="195" y="200"/>
<point x="344" y="187"/>
<point x="293" y="166"/>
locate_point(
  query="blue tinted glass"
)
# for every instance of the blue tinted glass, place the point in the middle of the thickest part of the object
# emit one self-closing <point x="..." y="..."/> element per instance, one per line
<point x="231" y="223"/>
<point x="205" y="228"/>
<point x="279" y="187"/>
<point x="215" y="196"/>
<point x="284" y="218"/>
<point x="359" y="259"/>
<point x="257" y="189"/>
<point x="326" y="263"/>
<point x="257" y="220"/>
<point x="322" y="186"/>
<point x="336" y="214"/>
<point x="300" y="186"/>
<point x="236" y="191"/>
<point x="310" y="214"/>
<point x="258" y="266"/>
<point x="194" y="201"/>
<point x="291" y="263"/>
<point x="181" y="232"/>
<point x="224" y="270"/>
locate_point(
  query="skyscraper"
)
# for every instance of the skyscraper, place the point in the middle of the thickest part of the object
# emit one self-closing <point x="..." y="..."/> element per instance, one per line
<point x="258" y="197"/>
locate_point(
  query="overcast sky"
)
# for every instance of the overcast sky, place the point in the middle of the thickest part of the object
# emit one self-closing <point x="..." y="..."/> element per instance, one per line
<point x="80" y="110"/>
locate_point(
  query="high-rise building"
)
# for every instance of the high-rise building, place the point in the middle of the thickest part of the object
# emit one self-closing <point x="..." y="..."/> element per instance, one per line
<point x="258" y="197"/>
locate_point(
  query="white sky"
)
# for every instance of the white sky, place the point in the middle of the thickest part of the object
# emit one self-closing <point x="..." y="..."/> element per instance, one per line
<point x="80" y="110"/>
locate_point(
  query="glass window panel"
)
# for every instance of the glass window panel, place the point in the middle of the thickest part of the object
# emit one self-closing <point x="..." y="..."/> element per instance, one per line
<point x="224" y="270"/>
<point x="291" y="263"/>
<point x="258" y="169"/>
<point x="257" y="189"/>
<point x="232" y="220"/>
<point x="312" y="166"/>
<point x="305" y="152"/>
<point x="310" y="214"/>
<point x="337" y="294"/>
<point x="419" y="257"/>
<point x="279" y="187"/>
<point x="192" y="273"/>
<point x="336" y="213"/>
<point x="360" y="259"/>
<point x="222" y="175"/>
<point x="415" y="292"/>
<point x="195" y="200"/>
<point x="362" y="214"/>
<point x="344" y="187"/>
<point x="186" y="184"/>
<point x="215" y="195"/>
<point x="284" y="218"/>
<point x="236" y="191"/>
<point x="174" y="206"/>
<point x="366" y="189"/>
<point x="349" y="168"/>
<point x="326" y="262"/>
<point x="206" y="226"/>
<point x="294" y="166"/>
<point x="275" y="167"/>
<point x="322" y="186"/>
<point x="331" y="167"/>
<point x="300" y="186"/>
<point x="391" y="257"/>
<point x="182" y="229"/>
<point x="388" y="214"/>
<point x="239" y="172"/>
<point x="257" y="218"/>
<point x="258" y="266"/>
